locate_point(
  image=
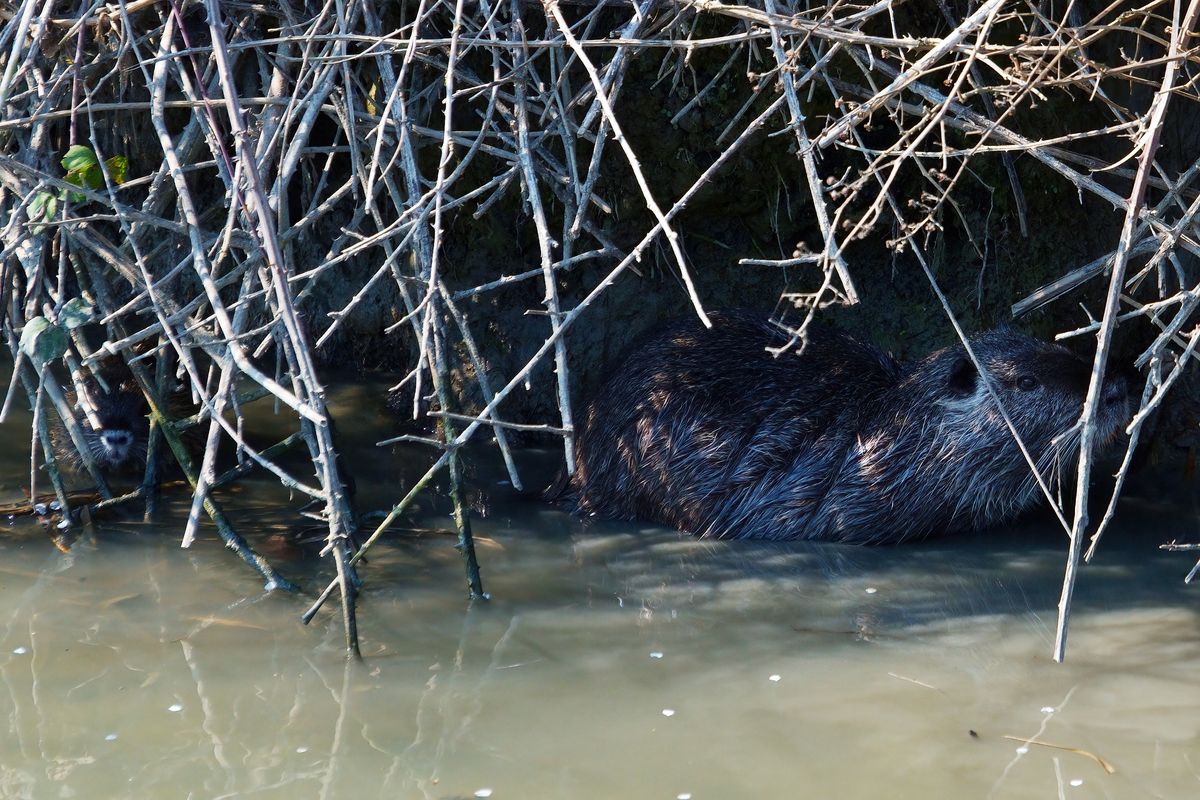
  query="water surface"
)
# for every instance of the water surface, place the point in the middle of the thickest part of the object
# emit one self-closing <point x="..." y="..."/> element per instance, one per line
<point x="613" y="661"/>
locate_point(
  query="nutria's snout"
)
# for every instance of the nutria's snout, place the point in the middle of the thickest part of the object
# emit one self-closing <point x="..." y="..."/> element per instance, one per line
<point x="1116" y="404"/>
<point x="1116" y="391"/>
<point x="116" y="445"/>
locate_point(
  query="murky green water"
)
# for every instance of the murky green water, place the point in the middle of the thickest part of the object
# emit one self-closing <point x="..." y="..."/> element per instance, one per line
<point x="614" y="661"/>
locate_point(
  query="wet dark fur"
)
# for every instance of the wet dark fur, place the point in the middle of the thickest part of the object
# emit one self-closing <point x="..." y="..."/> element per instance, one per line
<point x="706" y="431"/>
<point x="118" y="443"/>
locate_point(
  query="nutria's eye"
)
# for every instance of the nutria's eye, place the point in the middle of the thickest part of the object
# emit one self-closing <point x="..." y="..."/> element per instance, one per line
<point x="1026" y="382"/>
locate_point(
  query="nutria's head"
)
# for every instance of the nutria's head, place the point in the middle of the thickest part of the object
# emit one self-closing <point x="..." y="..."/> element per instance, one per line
<point x="119" y="440"/>
<point x="942" y="452"/>
<point x="1041" y="386"/>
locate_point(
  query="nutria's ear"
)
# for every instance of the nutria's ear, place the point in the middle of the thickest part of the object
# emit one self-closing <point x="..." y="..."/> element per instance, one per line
<point x="963" y="377"/>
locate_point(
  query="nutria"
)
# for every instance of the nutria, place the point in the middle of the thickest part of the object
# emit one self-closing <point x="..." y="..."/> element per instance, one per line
<point x="117" y="440"/>
<point x="707" y="431"/>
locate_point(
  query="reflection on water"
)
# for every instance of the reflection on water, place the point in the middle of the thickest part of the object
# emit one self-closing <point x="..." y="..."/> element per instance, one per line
<point x="615" y="661"/>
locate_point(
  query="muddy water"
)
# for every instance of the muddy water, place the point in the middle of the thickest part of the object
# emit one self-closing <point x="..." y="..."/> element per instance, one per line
<point x="614" y="661"/>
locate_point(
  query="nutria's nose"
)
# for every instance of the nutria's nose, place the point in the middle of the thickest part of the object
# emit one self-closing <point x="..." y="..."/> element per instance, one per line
<point x="1116" y="390"/>
<point x="116" y="440"/>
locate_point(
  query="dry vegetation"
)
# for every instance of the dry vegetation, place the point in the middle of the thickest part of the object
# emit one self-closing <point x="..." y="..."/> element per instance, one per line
<point x="169" y="170"/>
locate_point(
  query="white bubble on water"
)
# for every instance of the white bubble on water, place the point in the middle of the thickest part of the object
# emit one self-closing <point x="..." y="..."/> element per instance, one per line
<point x="668" y="712"/>
<point x="175" y="707"/>
<point x="775" y="678"/>
<point x="483" y="792"/>
<point x="656" y="654"/>
<point x="871" y="590"/>
<point x="20" y="651"/>
<point x="1077" y="782"/>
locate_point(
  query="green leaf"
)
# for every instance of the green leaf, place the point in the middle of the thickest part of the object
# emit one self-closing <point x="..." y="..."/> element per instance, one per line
<point x="75" y="197"/>
<point x="90" y="178"/>
<point x="79" y="158"/>
<point x="116" y="168"/>
<point x="43" y="206"/>
<point x="94" y="178"/>
<point x="76" y="312"/>
<point x="83" y="170"/>
<point x="43" y="341"/>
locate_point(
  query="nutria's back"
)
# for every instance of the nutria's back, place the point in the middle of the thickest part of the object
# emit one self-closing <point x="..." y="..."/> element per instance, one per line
<point x="706" y="430"/>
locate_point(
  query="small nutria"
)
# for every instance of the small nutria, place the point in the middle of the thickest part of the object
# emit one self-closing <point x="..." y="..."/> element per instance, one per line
<point x="707" y="431"/>
<point x="117" y="442"/>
